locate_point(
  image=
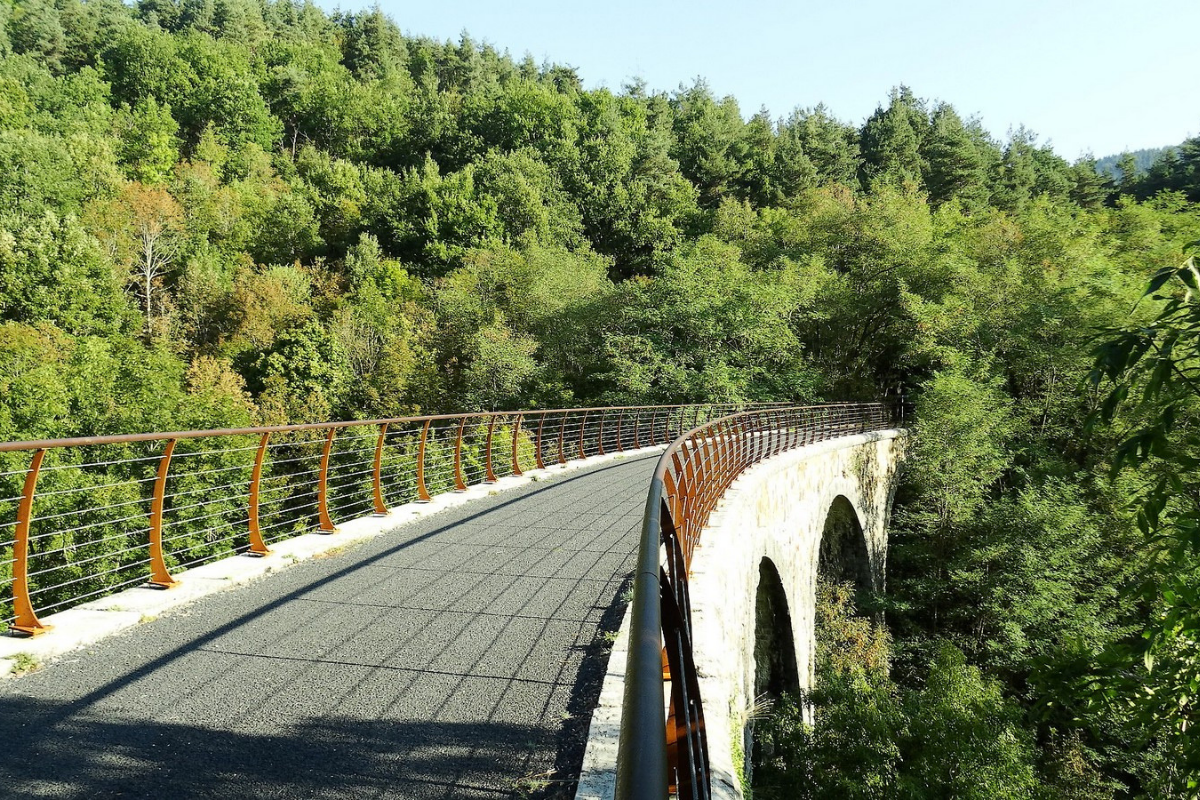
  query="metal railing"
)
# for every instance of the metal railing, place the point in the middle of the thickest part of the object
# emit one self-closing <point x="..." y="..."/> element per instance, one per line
<point x="81" y="518"/>
<point x="667" y="753"/>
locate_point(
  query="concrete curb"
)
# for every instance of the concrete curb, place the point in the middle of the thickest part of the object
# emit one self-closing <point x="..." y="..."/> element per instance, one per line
<point x="598" y="778"/>
<point x="89" y="622"/>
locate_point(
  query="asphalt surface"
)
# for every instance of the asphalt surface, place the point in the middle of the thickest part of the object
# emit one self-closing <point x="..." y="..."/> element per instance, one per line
<point x="456" y="657"/>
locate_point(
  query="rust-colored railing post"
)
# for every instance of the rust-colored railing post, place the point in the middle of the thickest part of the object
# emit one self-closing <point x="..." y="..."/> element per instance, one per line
<point x="257" y="546"/>
<point x="653" y="432"/>
<point x="460" y="484"/>
<point x="620" y="442"/>
<point x="326" y="522"/>
<point x="516" y="462"/>
<point x="537" y="447"/>
<point x="562" y="432"/>
<point x="491" y="474"/>
<point x="422" y="491"/>
<point x="637" y="421"/>
<point x="381" y="509"/>
<point x="26" y="620"/>
<point x="582" y="429"/>
<point x="159" y="576"/>
<point x="600" y="436"/>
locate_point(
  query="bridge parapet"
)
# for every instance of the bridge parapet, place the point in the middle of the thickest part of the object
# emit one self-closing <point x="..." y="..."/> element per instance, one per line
<point x="821" y="510"/>
<point x="656" y="756"/>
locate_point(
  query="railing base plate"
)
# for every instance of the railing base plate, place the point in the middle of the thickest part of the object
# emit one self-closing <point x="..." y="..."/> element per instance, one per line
<point x="29" y="630"/>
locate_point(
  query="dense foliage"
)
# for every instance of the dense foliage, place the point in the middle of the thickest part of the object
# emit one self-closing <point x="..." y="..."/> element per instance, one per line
<point x="219" y="212"/>
<point x="1175" y="169"/>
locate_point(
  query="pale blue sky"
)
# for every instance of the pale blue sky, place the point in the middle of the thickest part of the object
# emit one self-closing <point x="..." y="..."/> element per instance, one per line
<point x="1094" y="75"/>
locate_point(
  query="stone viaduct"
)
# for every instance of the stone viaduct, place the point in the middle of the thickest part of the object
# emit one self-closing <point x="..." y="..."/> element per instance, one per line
<point x="820" y="510"/>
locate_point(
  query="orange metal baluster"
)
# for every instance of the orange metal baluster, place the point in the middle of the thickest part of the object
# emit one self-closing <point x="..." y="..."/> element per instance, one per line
<point x="516" y="463"/>
<point x="326" y="523"/>
<point x="422" y="492"/>
<point x="537" y="447"/>
<point x="562" y="430"/>
<point x="460" y="484"/>
<point x="381" y="509"/>
<point x="26" y="621"/>
<point x="257" y="546"/>
<point x="159" y="576"/>
<point x="582" y="428"/>
<point x="491" y="475"/>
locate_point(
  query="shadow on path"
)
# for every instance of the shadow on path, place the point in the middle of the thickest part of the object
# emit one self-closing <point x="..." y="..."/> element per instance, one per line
<point x="459" y="656"/>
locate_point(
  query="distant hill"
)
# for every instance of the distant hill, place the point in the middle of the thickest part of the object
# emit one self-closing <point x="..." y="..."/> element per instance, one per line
<point x="1143" y="158"/>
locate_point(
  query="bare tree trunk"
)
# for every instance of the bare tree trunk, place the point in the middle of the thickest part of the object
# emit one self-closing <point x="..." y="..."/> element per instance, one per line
<point x="148" y="274"/>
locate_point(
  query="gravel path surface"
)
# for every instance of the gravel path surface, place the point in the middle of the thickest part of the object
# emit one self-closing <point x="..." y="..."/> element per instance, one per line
<point x="456" y="657"/>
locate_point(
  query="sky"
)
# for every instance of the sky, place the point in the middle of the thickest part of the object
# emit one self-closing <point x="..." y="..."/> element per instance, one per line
<point x="1098" y="76"/>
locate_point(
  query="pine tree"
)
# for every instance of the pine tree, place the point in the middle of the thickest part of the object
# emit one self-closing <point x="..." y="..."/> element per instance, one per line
<point x="892" y="138"/>
<point x="954" y="166"/>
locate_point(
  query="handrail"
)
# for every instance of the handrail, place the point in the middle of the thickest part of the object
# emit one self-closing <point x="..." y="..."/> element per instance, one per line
<point x="86" y="516"/>
<point x="125" y="438"/>
<point x="658" y="756"/>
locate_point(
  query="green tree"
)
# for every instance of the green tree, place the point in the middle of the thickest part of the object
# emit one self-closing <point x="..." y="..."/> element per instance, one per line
<point x="832" y="147"/>
<point x="52" y="272"/>
<point x="1154" y="367"/>
<point x="892" y="139"/>
<point x="372" y="46"/>
<point x="955" y="167"/>
<point x="964" y="739"/>
<point x="149" y="147"/>
<point x="34" y="27"/>
<point x="709" y="142"/>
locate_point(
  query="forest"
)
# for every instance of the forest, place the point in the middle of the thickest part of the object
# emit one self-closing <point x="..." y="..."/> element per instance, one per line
<point x="215" y="213"/>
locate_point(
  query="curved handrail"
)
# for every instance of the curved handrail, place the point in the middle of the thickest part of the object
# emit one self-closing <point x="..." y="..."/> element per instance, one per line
<point x="658" y="756"/>
<point x="125" y="438"/>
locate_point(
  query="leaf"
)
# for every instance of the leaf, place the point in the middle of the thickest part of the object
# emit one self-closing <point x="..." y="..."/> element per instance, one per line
<point x="1159" y="280"/>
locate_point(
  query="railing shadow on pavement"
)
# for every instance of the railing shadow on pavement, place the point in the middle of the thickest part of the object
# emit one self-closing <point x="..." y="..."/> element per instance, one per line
<point x="84" y="743"/>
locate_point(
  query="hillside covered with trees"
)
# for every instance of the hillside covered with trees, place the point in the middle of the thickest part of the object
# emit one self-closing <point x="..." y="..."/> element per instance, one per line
<point x="1137" y="162"/>
<point x="222" y="212"/>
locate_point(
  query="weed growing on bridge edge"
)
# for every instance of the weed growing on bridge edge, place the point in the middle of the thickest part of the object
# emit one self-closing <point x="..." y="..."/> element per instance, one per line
<point x="23" y="664"/>
<point x="531" y="784"/>
<point x="332" y="552"/>
<point x="737" y="739"/>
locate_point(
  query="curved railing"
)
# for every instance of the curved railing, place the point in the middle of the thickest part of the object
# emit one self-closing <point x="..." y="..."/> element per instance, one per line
<point x="84" y="517"/>
<point x="663" y="753"/>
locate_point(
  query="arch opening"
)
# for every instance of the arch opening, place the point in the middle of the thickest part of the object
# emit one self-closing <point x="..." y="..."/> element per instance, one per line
<point x="843" y="556"/>
<point x="775" y="669"/>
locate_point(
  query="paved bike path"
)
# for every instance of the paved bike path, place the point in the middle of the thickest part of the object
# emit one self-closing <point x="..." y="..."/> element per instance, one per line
<point x="456" y="657"/>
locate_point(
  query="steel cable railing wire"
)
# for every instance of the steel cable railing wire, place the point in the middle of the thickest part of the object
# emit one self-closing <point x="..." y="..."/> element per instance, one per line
<point x="663" y="754"/>
<point x="87" y="516"/>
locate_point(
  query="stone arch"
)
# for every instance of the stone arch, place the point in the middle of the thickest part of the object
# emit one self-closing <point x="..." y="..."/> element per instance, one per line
<point x="775" y="669"/>
<point x="844" y="554"/>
